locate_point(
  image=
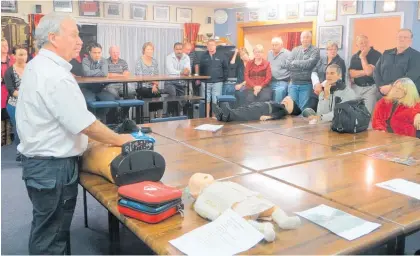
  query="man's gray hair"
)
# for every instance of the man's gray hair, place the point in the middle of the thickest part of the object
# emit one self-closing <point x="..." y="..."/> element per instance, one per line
<point x="337" y="69"/>
<point x="306" y="32"/>
<point x="277" y="40"/>
<point x="50" y="23"/>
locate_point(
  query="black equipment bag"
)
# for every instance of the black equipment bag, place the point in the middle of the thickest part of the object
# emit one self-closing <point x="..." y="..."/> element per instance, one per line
<point x="351" y="117"/>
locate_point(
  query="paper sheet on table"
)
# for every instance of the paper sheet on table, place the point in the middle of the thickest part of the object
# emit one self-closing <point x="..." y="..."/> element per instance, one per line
<point x="209" y="127"/>
<point x="402" y="186"/>
<point x="229" y="234"/>
<point x="340" y="223"/>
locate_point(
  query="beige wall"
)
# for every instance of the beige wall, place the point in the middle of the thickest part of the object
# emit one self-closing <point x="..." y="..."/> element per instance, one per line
<point x="26" y="7"/>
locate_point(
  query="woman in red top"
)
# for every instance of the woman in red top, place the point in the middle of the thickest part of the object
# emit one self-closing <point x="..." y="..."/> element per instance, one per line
<point x="258" y="77"/>
<point x="399" y="111"/>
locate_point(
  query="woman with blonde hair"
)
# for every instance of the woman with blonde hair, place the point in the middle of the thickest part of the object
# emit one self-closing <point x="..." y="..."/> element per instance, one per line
<point x="258" y="77"/>
<point x="399" y="111"/>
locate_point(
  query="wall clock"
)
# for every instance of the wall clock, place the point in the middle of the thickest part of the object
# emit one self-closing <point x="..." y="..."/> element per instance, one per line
<point x="220" y="16"/>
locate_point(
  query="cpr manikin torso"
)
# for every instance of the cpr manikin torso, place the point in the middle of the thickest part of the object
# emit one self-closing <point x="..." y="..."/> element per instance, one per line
<point x="214" y="197"/>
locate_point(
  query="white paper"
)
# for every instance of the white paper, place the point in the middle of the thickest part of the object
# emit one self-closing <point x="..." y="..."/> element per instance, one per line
<point x="209" y="127"/>
<point x="401" y="186"/>
<point x="340" y="223"/>
<point x="229" y="234"/>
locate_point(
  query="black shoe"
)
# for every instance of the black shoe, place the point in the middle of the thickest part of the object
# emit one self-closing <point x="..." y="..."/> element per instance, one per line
<point x="217" y="112"/>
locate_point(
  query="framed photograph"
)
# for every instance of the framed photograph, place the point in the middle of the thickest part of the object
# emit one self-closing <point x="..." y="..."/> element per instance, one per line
<point x="310" y="8"/>
<point x="272" y="13"/>
<point x="113" y="10"/>
<point x="240" y="16"/>
<point x="368" y="7"/>
<point x="330" y="10"/>
<point x="330" y="33"/>
<point x="63" y="5"/>
<point x="161" y="13"/>
<point x="254" y="16"/>
<point x="183" y="15"/>
<point x="89" y="8"/>
<point x="138" y="11"/>
<point x="418" y="10"/>
<point x="292" y="11"/>
<point x="390" y="6"/>
<point x="348" y="7"/>
<point x="9" y="6"/>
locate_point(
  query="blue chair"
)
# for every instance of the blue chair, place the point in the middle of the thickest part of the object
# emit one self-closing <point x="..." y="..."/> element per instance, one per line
<point x="131" y="103"/>
<point x="94" y="105"/>
<point x="225" y="98"/>
<point x="167" y="119"/>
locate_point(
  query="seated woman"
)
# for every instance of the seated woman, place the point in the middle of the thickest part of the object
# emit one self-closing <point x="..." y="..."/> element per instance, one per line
<point x="334" y="91"/>
<point x="257" y="111"/>
<point x="240" y="85"/>
<point x="148" y="66"/>
<point x="399" y="111"/>
<point x="258" y="78"/>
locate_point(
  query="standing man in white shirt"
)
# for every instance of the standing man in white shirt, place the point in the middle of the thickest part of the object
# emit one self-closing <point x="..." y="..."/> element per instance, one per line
<point x="54" y="125"/>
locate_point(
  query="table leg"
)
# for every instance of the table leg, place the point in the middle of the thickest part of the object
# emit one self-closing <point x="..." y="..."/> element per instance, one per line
<point x="85" y="208"/>
<point x="205" y="98"/>
<point x="114" y="234"/>
<point x="400" y="245"/>
<point x="139" y="110"/>
<point x="125" y="90"/>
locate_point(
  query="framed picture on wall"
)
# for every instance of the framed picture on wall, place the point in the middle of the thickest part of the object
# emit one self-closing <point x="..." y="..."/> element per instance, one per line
<point x="272" y="13"/>
<point x="310" y="8"/>
<point x="183" y="15"/>
<point x="330" y="10"/>
<point x="161" y="13"/>
<point x="89" y="8"/>
<point x="418" y="10"/>
<point x="9" y="6"/>
<point x="240" y="16"/>
<point x="63" y="5"/>
<point x="113" y="10"/>
<point x="254" y="16"/>
<point x="348" y="7"/>
<point x="330" y="33"/>
<point x="292" y="11"/>
<point x="390" y="6"/>
<point x="368" y="7"/>
<point x="138" y="11"/>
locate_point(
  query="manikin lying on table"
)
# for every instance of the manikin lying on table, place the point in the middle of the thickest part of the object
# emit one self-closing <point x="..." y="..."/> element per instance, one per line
<point x="214" y="197"/>
<point x="257" y="111"/>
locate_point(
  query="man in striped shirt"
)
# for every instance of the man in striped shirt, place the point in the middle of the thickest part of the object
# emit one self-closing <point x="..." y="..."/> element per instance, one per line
<point x="300" y="64"/>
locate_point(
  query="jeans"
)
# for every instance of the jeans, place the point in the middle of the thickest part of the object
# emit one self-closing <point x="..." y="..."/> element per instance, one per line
<point x="213" y="90"/>
<point x="52" y="186"/>
<point x="300" y="93"/>
<point x="279" y="90"/>
<point x="11" y="111"/>
<point x="229" y="88"/>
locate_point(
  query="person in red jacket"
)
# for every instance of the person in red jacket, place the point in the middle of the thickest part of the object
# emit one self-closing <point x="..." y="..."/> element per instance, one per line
<point x="399" y="111"/>
<point x="258" y="78"/>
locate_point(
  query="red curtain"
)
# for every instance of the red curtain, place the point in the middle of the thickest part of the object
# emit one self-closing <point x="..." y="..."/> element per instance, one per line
<point x="293" y="40"/>
<point x="191" y="32"/>
<point x="34" y="20"/>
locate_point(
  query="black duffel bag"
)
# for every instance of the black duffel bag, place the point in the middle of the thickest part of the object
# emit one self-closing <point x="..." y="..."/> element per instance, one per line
<point x="351" y="117"/>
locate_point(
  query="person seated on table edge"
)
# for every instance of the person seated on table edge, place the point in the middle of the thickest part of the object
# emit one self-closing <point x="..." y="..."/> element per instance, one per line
<point x="257" y="111"/>
<point x="334" y="91"/>
<point x="399" y="111"/>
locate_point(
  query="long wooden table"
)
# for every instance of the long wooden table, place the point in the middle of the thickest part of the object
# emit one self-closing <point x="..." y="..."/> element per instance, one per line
<point x="293" y="164"/>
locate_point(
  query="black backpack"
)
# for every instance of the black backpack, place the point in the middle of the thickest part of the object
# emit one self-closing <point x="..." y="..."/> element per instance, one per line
<point x="351" y="117"/>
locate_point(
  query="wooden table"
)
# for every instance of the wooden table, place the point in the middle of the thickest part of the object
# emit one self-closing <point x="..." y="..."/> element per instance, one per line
<point x="307" y="239"/>
<point x="264" y="150"/>
<point x="184" y="130"/>
<point x="322" y="134"/>
<point x="182" y="162"/>
<point x="350" y="180"/>
<point x="287" y="122"/>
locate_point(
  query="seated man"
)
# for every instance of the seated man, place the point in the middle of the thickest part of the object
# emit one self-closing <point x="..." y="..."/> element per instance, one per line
<point x="257" y="111"/>
<point x="96" y="66"/>
<point x="118" y="67"/>
<point x="177" y="64"/>
<point x="334" y="91"/>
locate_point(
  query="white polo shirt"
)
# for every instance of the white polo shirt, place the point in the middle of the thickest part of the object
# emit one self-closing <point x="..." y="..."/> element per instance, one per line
<point x="51" y="111"/>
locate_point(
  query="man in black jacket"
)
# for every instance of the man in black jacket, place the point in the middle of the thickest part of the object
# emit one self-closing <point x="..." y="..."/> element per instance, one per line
<point x="257" y="111"/>
<point x="215" y="65"/>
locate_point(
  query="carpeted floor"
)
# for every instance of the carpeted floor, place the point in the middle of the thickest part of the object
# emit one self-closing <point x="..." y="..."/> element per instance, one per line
<point x="16" y="217"/>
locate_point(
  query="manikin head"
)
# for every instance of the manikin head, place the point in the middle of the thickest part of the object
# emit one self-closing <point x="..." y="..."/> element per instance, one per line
<point x="198" y="182"/>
